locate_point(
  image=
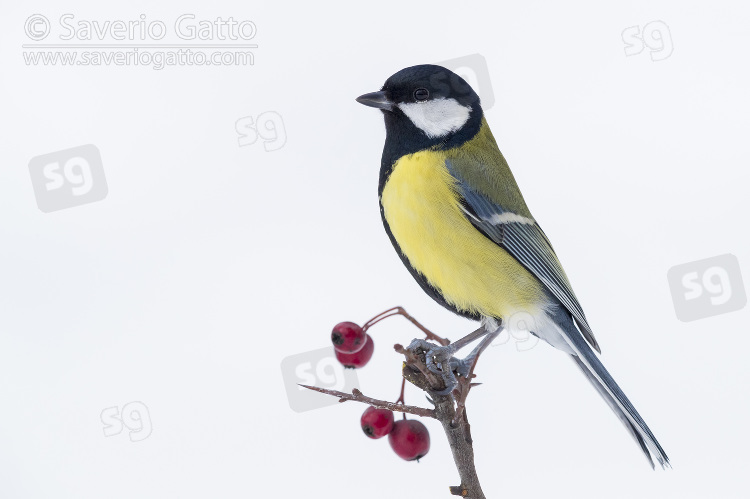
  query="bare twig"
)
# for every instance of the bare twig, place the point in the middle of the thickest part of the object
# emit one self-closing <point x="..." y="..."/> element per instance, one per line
<point x="357" y="396"/>
<point x="461" y="443"/>
<point x="401" y="396"/>
<point x="457" y="429"/>
<point x="465" y="385"/>
<point x="400" y="311"/>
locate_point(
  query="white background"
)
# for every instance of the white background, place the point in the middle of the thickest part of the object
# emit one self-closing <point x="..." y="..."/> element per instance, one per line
<point x="208" y="263"/>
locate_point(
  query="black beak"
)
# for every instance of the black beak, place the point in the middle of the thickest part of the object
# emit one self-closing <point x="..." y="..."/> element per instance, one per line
<point x="376" y="99"/>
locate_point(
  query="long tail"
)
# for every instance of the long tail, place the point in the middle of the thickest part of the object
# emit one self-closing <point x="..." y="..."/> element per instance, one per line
<point x="598" y="375"/>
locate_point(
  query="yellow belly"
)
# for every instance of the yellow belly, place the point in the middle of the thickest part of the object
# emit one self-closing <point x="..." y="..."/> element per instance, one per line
<point x="472" y="273"/>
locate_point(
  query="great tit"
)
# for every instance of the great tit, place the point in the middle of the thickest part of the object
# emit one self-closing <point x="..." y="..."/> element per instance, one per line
<point x="457" y="219"/>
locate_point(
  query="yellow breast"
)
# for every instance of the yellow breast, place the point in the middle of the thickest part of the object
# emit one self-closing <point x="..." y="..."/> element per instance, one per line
<point x="472" y="273"/>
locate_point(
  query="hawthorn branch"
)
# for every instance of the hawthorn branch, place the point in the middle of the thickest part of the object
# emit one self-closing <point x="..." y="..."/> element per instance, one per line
<point x="358" y="396"/>
<point x="465" y="385"/>
<point x="454" y="420"/>
<point x="401" y="311"/>
<point x="449" y="409"/>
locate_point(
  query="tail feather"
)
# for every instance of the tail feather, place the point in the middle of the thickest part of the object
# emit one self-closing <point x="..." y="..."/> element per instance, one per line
<point x="615" y="408"/>
<point x="610" y="391"/>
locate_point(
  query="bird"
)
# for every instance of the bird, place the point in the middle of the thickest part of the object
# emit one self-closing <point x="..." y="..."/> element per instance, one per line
<point x="457" y="219"/>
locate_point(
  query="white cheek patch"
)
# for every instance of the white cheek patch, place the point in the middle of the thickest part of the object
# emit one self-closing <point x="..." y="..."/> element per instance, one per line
<point x="436" y="117"/>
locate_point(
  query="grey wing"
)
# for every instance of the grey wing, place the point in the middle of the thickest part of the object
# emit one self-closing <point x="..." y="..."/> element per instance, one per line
<point x="527" y="243"/>
<point x="524" y="240"/>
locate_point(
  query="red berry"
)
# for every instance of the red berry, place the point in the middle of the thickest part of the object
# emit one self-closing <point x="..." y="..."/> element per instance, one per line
<point x="359" y="358"/>
<point x="376" y="423"/>
<point x="347" y="337"/>
<point x="409" y="439"/>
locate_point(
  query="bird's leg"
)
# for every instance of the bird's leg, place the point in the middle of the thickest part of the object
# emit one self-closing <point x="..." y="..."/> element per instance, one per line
<point x="465" y="384"/>
<point x="470" y="360"/>
<point x="440" y="359"/>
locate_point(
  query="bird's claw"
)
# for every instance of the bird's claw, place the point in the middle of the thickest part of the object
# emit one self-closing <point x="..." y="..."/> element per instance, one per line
<point x="450" y="384"/>
<point x="436" y="357"/>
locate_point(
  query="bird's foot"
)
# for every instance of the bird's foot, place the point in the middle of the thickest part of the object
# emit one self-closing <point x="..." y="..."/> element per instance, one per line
<point x="440" y="360"/>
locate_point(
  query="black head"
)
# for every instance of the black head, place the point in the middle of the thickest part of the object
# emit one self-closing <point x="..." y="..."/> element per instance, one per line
<point x="425" y="106"/>
<point x="420" y="84"/>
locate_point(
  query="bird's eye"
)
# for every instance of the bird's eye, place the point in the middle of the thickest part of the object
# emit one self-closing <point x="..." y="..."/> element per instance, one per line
<point x="421" y="94"/>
